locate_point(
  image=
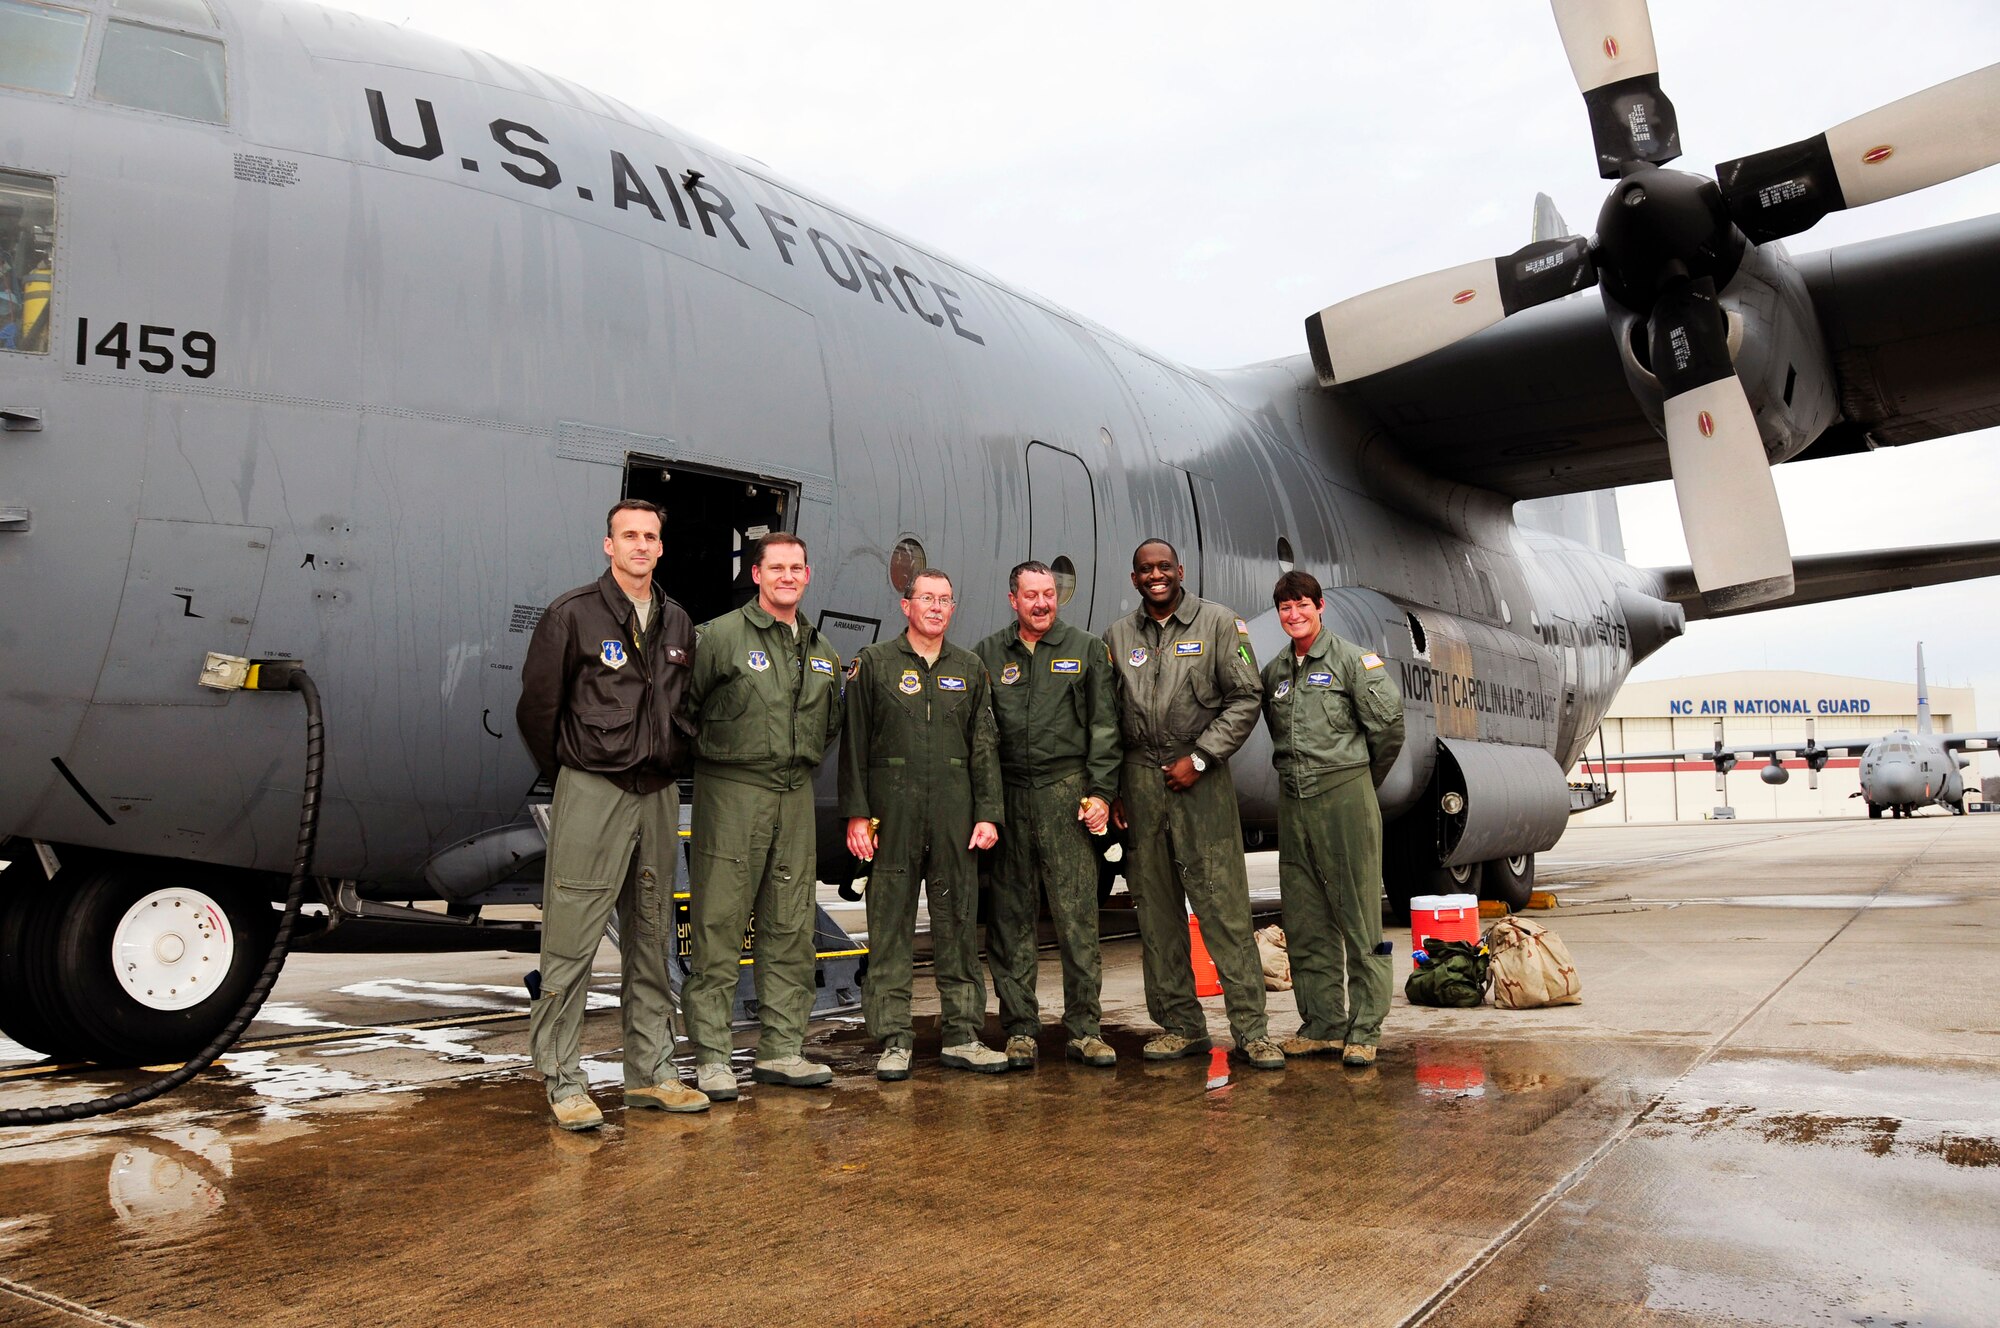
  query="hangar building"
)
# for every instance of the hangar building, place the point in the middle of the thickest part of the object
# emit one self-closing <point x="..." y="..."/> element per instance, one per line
<point x="1753" y="707"/>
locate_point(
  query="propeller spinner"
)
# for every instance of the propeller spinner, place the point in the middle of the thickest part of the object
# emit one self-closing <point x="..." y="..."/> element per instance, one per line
<point x="1667" y="242"/>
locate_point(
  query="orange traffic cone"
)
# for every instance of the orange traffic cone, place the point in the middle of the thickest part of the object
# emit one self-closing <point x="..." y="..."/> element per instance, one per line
<point x="1207" y="982"/>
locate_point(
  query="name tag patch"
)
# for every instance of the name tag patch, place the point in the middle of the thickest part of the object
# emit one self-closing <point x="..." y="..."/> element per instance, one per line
<point x="1065" y="666"/>
<point x="1187" y="647"/>
<point x="1371" y="660"/>
<point x="910" y="684"/>
<point x="950" y="684"/>
<point x="822" y="666"/>
<point x="1011" y="674"/>
<point x="1138" y="656"/>
<point x="613" y="654"/>
<point x="1282" y="690"/>
<point x="1319" y="680"/>
<point x="759" y="660"/>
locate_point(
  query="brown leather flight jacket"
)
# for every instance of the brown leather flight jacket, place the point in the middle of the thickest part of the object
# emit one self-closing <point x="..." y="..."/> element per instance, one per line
<point x="591" y="700"/>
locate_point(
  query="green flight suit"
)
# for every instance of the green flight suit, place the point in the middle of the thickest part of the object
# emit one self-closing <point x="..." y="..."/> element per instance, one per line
<point x="767" y="700"/>
<point x="1057" y="714"/>
<point x="1336" y="724"/>
<point x="1187" y="685"/>
<point x="920" y="754"/>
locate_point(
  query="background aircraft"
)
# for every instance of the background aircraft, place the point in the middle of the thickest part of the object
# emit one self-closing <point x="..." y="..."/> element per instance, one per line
<point x="1901" y="771"/>
<point x="354" y="334"/>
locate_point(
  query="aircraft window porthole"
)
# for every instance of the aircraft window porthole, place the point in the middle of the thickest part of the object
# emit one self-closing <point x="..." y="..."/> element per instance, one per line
<point x="1065" y="574"/>
<point x="905" y="561"/>
<point x="27" y="276"/>
<point x="188" y="13"/>
<point x="151" y="69"/>
<point x="41" y="48"/>
<point x="1285" y="563"/>
<point x="1417" y="638"/>
<point x="1104" y="436"/>
<point x="1506" y="614"/>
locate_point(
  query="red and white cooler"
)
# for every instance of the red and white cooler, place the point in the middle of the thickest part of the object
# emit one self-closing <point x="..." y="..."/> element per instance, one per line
<point x="1445" y="917"/>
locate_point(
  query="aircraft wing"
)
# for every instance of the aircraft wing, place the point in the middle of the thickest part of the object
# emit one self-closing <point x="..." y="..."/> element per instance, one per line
<point x="1742" y="751"/>
<point x="1538" y="404"/>
<point x="1845" y="575"/>
<point x="1971" y="742"/>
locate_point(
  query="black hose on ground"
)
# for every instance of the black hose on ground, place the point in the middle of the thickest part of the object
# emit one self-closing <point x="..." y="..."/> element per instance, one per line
<point x="295" y="679"/>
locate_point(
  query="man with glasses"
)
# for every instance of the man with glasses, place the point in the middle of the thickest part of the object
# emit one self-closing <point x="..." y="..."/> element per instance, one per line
<point x="920" y="788"/>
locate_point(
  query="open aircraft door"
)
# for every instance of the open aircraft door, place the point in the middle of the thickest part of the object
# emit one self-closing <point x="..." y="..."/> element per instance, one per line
<point x="1062" y="526"/>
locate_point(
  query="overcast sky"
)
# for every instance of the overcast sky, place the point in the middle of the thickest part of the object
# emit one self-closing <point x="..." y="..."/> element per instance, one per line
<point x="1200" y="177"/>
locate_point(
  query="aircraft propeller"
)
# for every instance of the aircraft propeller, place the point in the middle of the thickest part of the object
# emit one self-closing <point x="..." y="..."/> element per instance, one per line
<point x="1667" y="242"/>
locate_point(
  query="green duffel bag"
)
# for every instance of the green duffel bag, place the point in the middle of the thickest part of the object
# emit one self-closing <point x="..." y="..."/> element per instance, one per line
<point x="1452" y="973"/>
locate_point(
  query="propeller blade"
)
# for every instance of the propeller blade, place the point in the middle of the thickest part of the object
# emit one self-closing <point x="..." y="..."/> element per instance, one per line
<point x="1394" y="324"/>
<point x="1722" y="478"/>
<point x="1610" y="49"/>
<point x="1924" y="139"/>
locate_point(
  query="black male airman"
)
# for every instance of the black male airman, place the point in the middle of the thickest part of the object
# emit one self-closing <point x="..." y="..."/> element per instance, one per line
<point x="1054" y="703"/>
<point x="920" y="787"/>
<point x="1188" y="696"/>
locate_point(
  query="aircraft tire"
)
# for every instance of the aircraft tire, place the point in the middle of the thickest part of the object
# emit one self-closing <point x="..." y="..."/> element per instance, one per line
<point x="1874" y="812"/>
<point x="111" y="913"/>
<point x="25" y="952"/>
<point x="1511" y="881"/>
<point x="1410" y="868"/>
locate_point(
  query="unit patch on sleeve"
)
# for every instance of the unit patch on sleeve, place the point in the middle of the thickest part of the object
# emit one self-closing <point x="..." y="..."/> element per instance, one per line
<point x="1370" y="660"/>
<point x="1065" y="666"/>
<point x="910" y="684"/>
<point x="853" y="667"/>
<point x="759" y="661"/>
<point x="947" y="683"/>
<point x="613" y="653"/>
<point x="822" y="666"/>
<point x="1011" y="674"/>
<point x="1187" y="647"/>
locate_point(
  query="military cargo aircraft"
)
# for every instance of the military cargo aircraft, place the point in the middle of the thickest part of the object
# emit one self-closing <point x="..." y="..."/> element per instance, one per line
<point x="344" y="338"/>
<point x="1900" y="772"/>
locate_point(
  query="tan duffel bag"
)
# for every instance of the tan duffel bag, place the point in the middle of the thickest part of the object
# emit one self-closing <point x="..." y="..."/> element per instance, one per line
<point x="1531" y="966"/>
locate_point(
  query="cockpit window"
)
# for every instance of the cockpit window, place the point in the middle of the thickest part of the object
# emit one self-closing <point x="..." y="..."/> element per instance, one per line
<point x="41" y="46"/>
<point x="187" y="13"/>
<point x="151" y="69"/>
<point x="27" y="246"/>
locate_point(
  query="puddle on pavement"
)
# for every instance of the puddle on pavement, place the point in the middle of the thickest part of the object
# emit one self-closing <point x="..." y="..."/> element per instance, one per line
<point x="954" y="1192"/>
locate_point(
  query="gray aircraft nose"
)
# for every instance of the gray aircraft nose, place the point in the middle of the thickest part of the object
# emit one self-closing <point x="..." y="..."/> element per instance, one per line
<point x="1895" y="783"/>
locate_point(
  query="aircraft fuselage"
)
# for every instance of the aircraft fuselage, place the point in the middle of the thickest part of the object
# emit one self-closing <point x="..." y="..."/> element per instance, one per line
<point x="353" y="377"/>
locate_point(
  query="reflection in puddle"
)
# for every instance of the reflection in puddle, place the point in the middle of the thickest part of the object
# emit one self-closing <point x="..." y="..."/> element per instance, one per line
<point x="1449" y="1073"/>
<point x="170" y="1183"/>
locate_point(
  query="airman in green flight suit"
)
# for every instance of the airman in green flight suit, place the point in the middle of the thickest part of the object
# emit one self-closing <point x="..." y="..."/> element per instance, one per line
<point x="1336" y="724"/>
<point x="1188" y="695"/>
<point x="920" y="786"/>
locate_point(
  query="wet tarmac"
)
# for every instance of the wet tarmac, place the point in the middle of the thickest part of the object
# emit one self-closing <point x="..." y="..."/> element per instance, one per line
<point x="1760" y="1114"/>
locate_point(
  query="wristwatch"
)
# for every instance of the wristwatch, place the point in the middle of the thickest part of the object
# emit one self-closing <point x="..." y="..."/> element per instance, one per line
<point x="1200" y="764"/>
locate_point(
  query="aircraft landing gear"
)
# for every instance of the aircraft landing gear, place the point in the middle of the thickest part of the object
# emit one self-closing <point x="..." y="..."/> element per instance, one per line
<point x="1410" y="868"/>
<point x="125" y="960"/>
<point x="1874" y="812"/>
<point x="1511" y="880"/>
